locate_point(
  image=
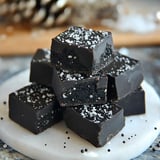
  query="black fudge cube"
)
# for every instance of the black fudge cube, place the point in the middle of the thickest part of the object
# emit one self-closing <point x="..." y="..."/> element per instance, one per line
<point x="82" y="50"/>
<point x="95" y="123"/>
<point x="34" y="107"/>
<point x="41" y="70"/>
<point x="77" y="89"/>
<point x="134" y="103"/>
<point x="124" y="76"/>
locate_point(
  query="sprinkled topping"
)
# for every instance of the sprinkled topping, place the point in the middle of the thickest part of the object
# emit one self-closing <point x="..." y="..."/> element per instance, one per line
<point x="96" y="113"/>
<point x="81" y="37"/>
<point x="65" y="75"/>
<point x="36" y="95"/>
<point x="120" y="65"/>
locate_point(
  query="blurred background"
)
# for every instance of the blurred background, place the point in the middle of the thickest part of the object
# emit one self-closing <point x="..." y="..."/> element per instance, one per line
<point x="33" y="23"/>
<point x="26" y="25"/>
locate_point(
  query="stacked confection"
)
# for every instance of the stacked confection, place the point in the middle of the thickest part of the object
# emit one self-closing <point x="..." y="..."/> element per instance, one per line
<point x="83" y="81"/>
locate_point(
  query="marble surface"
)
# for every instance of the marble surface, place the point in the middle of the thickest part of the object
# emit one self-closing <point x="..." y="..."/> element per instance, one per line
<point x="150" y="58"/>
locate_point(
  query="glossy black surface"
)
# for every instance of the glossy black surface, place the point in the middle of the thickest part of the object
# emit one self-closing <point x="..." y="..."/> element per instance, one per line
<point x="134" y="103"/>
<point x="95" y="123"/>
<point x="77" y="49"/>
<point x="34" y="107"/>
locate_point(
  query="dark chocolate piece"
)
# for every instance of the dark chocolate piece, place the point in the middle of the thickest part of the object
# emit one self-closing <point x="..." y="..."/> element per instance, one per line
<point x="76" y="89"/>
<point x="34" y="107"/>
<point x="70" y="88"/>
<point x="41" y="70"/>
<point x="82" y="50"/>
<point x="95" y="123"/>
<point x="124" y="76"/>
<point x="134" y="103"/>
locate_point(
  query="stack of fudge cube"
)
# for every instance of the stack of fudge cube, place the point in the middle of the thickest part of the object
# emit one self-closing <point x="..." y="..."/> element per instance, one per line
<point x="83" y="81"/>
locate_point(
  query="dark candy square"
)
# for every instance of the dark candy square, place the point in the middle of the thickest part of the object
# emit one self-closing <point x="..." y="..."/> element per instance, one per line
<point x="82" y="50"/>
<point x="95" y="123"/>
<point x="124" y="76"/>
<point x="134" y="103"/>
<point x="41" y="70"/>
<point x="34" y="107"/>
<point x="77" y="89"/>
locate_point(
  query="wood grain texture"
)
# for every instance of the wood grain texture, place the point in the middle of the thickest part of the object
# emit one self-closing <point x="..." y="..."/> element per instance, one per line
<point x="20" y="41"/>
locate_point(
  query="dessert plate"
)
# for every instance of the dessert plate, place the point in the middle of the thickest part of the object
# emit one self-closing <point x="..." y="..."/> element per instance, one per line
<point x="58" y="142"/>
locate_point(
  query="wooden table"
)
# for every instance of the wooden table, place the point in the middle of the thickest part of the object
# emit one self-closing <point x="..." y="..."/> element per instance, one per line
<point x="22" y="41"/>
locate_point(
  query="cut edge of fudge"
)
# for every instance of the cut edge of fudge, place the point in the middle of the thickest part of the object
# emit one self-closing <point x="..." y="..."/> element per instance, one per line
<point x="34" y="107"/>
<point x="134" y="103"/>
<point x="41" y="69"/>
<point x="82" y="50"/>
<point x="101" y="124"/>
<point x="124" y="76"/>
<point x="77" y="90"/>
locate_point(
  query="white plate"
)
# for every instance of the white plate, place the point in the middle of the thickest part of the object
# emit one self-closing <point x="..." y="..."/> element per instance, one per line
<point x="55" y="144"/>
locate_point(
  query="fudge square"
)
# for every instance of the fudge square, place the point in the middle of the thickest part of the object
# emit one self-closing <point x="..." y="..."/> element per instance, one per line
<point x="81" y="50"/>
<point x="134" y="103"/>
<point x="70" y="88"/>
<point x="34" y="107"/>
<point x="124" y="76"/>
<point x="95" y="123"/>
<point x="78" y="89"/>
<point x="41" y="69"/>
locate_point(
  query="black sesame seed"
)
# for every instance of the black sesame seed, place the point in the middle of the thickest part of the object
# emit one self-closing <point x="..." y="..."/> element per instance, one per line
<point x="131" y="120"/>
<point x="135" y="135"/>
<point x="158" y="145"/>
<point x="4" y="102"/>
<point x="150" y="146"/>
<point x="45" y="144"/>
<point x="122" y="135"/>
<point x="82" y="151"/>
<point x="66" y="132"/>
<point x="129" y="138"/>
<point x="2" y="118"/>
<point x="155" y="128"/>
<point x="124" y="142"/>
<point x="64" y="146"/>
<point x="108" y="150"/>
<point x="153" y="149"/>
<point x="68" y="137"/>
<point x="64" y="142"/>
<point x="86" y="150"/>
